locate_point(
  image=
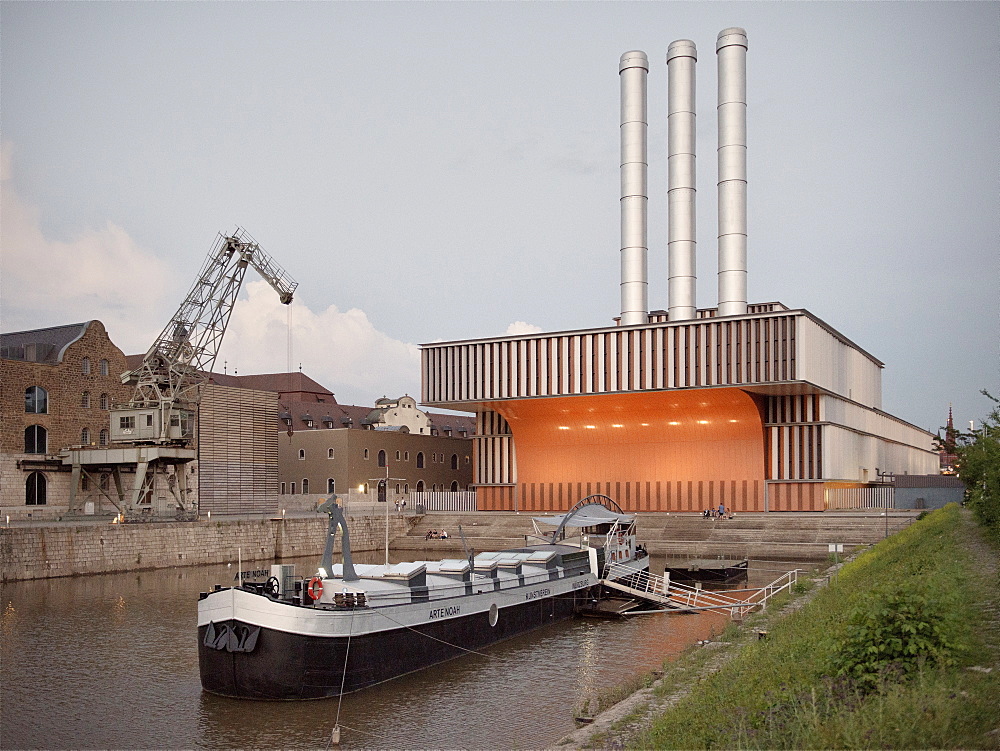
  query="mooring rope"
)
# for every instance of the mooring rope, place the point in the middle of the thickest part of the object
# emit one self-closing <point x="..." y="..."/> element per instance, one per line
<point x="456" y="646"/>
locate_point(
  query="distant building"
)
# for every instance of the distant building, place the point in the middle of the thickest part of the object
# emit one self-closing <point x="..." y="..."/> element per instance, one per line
<point x="948" y="456"/>
<point x="325" y="447"/>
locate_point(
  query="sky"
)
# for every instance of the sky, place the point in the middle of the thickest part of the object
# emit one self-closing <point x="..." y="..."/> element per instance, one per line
<point x="440" y="171"/>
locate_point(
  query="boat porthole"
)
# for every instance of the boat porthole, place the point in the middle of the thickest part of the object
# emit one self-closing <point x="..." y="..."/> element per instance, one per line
<point x="494" y="614"/>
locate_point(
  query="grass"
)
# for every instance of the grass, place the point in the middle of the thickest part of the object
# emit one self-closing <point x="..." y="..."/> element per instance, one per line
<point x="782" y="692"/>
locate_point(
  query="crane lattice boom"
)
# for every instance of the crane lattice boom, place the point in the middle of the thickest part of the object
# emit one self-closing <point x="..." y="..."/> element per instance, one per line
<point x="185" y="351"/>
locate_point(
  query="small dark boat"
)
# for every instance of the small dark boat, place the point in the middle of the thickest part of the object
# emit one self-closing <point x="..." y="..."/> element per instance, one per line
<point x="707" y="571"/>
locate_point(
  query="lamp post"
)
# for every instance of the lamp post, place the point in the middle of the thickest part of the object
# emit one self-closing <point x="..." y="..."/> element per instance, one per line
<point x="378" y="481"/>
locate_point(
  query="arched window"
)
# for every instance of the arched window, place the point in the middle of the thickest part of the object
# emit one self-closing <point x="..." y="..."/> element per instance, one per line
<point x="302" y="453"/>
<point x="35" y="488"/>
<point x="105" y="402"/>
<point x="85" y="400"/>
<point x="397" y="488"/>
<point x="105" y="482"/>
<point x="85" y="436"/>
<point x="366" y="456"/>
<point x="36" y="400"/>
<point x="305" y="486"/>
<point x="420" y="486"/>
<point x="397" y="456"/>
<point x="85" y="483"/>
<point x="381" y="458"/>
<point x="454" y="486"/>
<point x="103" y="367"/>
<point x="85" y="366"/>
<point x="454" y="461"/>
<point x="103" y="439"/>
<point x="35" y="439"/>
<point x="329" y="455"/>
<point x="406" y="487"/>
<point x="420" y="460"/>
<point x="293" y="488"/>
<point x="331" y="484"/>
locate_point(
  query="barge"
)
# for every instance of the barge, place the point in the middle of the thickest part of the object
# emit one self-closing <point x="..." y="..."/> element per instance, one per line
<point x="350" y="626"/>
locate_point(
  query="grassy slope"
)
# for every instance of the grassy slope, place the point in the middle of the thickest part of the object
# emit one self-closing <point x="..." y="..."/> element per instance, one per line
<point x="777" y="693"/>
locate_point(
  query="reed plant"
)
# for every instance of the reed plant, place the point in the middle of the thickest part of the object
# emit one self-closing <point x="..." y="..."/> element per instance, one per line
<point x="879" y="658"/>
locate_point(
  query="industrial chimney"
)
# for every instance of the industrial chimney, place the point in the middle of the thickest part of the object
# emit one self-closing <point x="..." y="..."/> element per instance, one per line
<point x="633" y="69"/>
<point x="731" y="49"/>
<point x="682" y="243"/>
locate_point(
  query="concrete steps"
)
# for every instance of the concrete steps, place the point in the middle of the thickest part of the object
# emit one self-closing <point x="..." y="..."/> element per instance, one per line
<point x="785" y="536"/>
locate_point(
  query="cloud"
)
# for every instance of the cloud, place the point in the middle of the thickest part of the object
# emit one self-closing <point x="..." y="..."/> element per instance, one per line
<point x="341" y="350"/>
<point x="104" y="274"/>
<point x="98" y="273"/>
<point x="520" y="327"/>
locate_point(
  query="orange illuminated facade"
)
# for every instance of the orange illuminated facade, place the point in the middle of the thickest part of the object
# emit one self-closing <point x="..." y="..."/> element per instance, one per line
<point x="760" y="412"/>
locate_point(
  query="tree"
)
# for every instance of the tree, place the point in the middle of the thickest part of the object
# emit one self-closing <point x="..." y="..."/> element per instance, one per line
<point x="979" y="468"/>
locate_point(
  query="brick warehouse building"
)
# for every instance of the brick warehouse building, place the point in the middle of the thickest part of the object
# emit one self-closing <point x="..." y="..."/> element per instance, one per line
<point x="56" y="387"/>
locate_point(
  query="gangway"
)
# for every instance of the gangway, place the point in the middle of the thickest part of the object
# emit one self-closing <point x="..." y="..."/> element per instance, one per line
<point x="679" y="598"/>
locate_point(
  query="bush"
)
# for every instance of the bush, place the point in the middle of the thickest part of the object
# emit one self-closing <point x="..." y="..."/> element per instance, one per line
<point x="890" y="635"/>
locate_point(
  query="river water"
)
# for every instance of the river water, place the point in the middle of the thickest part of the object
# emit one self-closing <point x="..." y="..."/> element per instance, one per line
<point x="111" y="661"/>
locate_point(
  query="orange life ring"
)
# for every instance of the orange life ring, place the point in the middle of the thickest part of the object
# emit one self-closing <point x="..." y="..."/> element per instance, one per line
<point x="315" y="588"/>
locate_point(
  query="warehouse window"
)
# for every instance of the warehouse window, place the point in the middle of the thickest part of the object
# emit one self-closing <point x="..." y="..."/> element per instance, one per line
<point x="85" y="366"/>
<point x="104" y="367"/>
<point x="85" y="436"/>
<point x="36" y="400"/>
<point x="35" y="488"/>
<point x="103" y="439"/>
<point x="85" y="400"/>
<point x="105" y="402"/>
<point x="35" y="439"/>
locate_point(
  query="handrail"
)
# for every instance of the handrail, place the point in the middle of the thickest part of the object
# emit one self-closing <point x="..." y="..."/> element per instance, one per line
<point x="684" y="597"/>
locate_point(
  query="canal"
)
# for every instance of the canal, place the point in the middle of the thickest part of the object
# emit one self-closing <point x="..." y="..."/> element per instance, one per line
<point x="111" y="661"/>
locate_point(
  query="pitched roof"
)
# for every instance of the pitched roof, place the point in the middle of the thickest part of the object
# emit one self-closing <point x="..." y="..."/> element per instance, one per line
<point x="41" y="345"/>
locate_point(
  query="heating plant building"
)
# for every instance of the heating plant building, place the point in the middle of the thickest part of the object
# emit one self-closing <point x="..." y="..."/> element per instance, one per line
<point x="757" y="407"/>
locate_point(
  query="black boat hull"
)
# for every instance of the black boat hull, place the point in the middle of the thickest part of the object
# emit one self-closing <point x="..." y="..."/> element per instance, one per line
<point x="288" y="666"/>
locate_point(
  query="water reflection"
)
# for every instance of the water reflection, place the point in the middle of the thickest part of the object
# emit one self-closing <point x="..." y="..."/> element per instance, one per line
<point x="111" y="661"/>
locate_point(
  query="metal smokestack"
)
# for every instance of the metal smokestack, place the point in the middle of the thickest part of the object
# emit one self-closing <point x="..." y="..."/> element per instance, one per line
<point x="682" y="244"/>
<point x="731" y="49"/>
<point x="633" y="69"/>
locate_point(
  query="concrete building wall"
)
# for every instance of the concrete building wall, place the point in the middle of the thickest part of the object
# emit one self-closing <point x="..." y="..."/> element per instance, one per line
<point x="71" y="550"/>
<point x="306" y="455"/>
<point x="833" y="363"/>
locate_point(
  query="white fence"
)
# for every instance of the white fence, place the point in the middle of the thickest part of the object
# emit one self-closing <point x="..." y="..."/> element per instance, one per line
<point x="867" y="497"/>
<point x="444" y="501"/>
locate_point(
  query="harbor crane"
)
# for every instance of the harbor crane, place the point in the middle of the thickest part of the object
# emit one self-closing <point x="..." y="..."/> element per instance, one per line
<point x="167" y="382"/>
<point x="156" y="428"/>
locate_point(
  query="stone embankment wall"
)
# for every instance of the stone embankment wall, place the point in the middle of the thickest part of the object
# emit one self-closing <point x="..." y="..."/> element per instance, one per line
<point x="68" y="549"/>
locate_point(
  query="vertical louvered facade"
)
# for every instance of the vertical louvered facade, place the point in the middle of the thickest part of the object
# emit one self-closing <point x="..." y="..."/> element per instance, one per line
<point x="756" y="412"/>
<point x="237" y="451"/>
